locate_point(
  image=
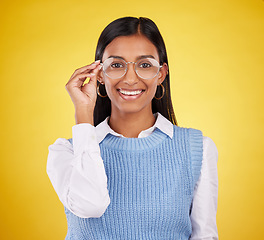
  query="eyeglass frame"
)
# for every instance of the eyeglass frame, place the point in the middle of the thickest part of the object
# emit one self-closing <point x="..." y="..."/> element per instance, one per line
<point x="102" y="64"/>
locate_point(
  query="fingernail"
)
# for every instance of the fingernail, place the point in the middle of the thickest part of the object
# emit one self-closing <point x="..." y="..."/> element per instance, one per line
<point x="92" y="74"/>
<point x="97" y="61"/>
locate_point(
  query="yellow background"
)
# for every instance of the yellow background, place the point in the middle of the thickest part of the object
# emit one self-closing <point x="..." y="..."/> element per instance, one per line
<point x="216" y="58"/>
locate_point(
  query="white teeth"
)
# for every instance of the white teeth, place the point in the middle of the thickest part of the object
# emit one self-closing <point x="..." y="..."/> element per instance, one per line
<point x="130" y="92"/>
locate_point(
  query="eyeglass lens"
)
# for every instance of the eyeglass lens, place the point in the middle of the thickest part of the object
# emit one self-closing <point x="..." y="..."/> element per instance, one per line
<point x="145" y="68"/>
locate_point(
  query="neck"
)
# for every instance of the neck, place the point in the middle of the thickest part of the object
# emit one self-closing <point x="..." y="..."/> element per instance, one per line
<point x="131" y="124"/>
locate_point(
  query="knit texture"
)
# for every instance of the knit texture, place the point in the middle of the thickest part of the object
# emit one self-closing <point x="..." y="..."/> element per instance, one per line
<point x="151" y="181"/>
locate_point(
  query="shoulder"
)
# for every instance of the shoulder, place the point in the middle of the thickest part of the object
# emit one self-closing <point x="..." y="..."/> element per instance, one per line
<point x="192" y="133"/>
<point x="197" y="135"/>
<point x="179" y="128"/>
<point x="209" y="148"/>
<point x="192" y="139"/>
<point x="198" y="140"/>
<point x="209" y="143"/>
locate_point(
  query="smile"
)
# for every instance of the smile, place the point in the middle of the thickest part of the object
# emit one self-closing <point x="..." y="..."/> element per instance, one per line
<point x="130" y="94"/>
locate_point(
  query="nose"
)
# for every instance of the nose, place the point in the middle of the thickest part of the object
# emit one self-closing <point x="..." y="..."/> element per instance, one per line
<point x="131" y="77"/>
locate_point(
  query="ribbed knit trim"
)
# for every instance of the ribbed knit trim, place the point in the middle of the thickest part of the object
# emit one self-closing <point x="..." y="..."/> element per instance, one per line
<point x="134" y="144"/>
<point x="196" y="149"/>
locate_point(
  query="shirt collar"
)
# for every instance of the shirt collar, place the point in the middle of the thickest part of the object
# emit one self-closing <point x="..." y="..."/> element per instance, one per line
<point x="162" y="123"/>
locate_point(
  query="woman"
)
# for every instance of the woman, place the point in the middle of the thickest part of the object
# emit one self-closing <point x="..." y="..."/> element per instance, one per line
<point x="130" y="172"/>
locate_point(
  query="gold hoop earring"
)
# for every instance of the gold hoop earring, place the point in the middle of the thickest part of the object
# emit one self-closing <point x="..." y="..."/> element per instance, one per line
<point x="98" y="91"/>
<point x="163" y="92"/>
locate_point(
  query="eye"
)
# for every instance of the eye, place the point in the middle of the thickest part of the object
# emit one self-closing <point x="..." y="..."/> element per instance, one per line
<point x="145" y="65"/>
<point x="117" y="65"/>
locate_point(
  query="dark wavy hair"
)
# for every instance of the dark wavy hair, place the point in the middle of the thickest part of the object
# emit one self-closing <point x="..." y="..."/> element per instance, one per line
<point x="127" y="26"/>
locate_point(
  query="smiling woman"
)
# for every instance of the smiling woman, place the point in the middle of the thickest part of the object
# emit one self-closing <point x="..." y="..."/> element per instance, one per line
<point x="122" y="81"/>
<point x="136" y="29"/>
<point x="129" y="172"/>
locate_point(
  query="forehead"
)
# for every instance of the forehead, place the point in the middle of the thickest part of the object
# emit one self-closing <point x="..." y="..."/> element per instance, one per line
<point x="130" y="47"/>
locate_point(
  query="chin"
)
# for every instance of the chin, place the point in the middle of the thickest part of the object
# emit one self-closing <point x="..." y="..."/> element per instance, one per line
<point x="132" y="108"/>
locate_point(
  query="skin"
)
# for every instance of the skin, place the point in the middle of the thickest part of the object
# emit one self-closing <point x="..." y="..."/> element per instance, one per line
<point x="128" y="117"/>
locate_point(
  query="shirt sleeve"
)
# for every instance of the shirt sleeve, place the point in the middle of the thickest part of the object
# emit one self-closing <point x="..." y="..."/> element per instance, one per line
<point x="77" y="172"/>
<point x="203" y="214"/>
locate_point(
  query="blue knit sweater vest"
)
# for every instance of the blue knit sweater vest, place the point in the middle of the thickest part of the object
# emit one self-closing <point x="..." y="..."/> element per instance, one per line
<point x="151" y="181"/>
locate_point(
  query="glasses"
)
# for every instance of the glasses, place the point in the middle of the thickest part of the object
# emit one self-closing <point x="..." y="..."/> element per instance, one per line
<point x="145" y="68"/>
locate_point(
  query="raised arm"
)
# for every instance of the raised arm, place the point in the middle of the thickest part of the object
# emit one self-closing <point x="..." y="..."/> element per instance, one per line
<point x="76" y="169"/>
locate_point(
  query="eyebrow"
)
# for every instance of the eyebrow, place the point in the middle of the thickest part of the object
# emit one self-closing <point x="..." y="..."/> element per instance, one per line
<point x="139" y="57"/>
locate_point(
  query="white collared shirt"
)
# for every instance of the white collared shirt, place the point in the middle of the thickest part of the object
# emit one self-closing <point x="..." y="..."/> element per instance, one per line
<point x="78" y="175"/>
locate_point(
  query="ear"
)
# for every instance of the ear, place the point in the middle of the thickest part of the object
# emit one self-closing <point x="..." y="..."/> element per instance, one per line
<point x="100" y="76"/>
<point x="163" y="73"/>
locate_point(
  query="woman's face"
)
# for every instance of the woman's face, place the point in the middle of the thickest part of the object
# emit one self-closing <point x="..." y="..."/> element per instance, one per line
<point x="131" y="49"/>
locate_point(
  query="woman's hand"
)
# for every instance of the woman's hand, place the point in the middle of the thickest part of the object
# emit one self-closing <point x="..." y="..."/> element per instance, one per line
<point x="84" y="95"/>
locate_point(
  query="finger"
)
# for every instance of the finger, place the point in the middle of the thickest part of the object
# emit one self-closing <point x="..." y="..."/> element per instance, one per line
<point x="86" y="68"/>
<point x="92" y="75"/>
<point x="90" y="66"/>
<point x="93" y="78"/>
<point x="79" y="79"/>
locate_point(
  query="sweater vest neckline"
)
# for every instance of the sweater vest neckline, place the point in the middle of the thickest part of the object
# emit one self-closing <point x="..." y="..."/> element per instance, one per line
<point x="134" y="144"/>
